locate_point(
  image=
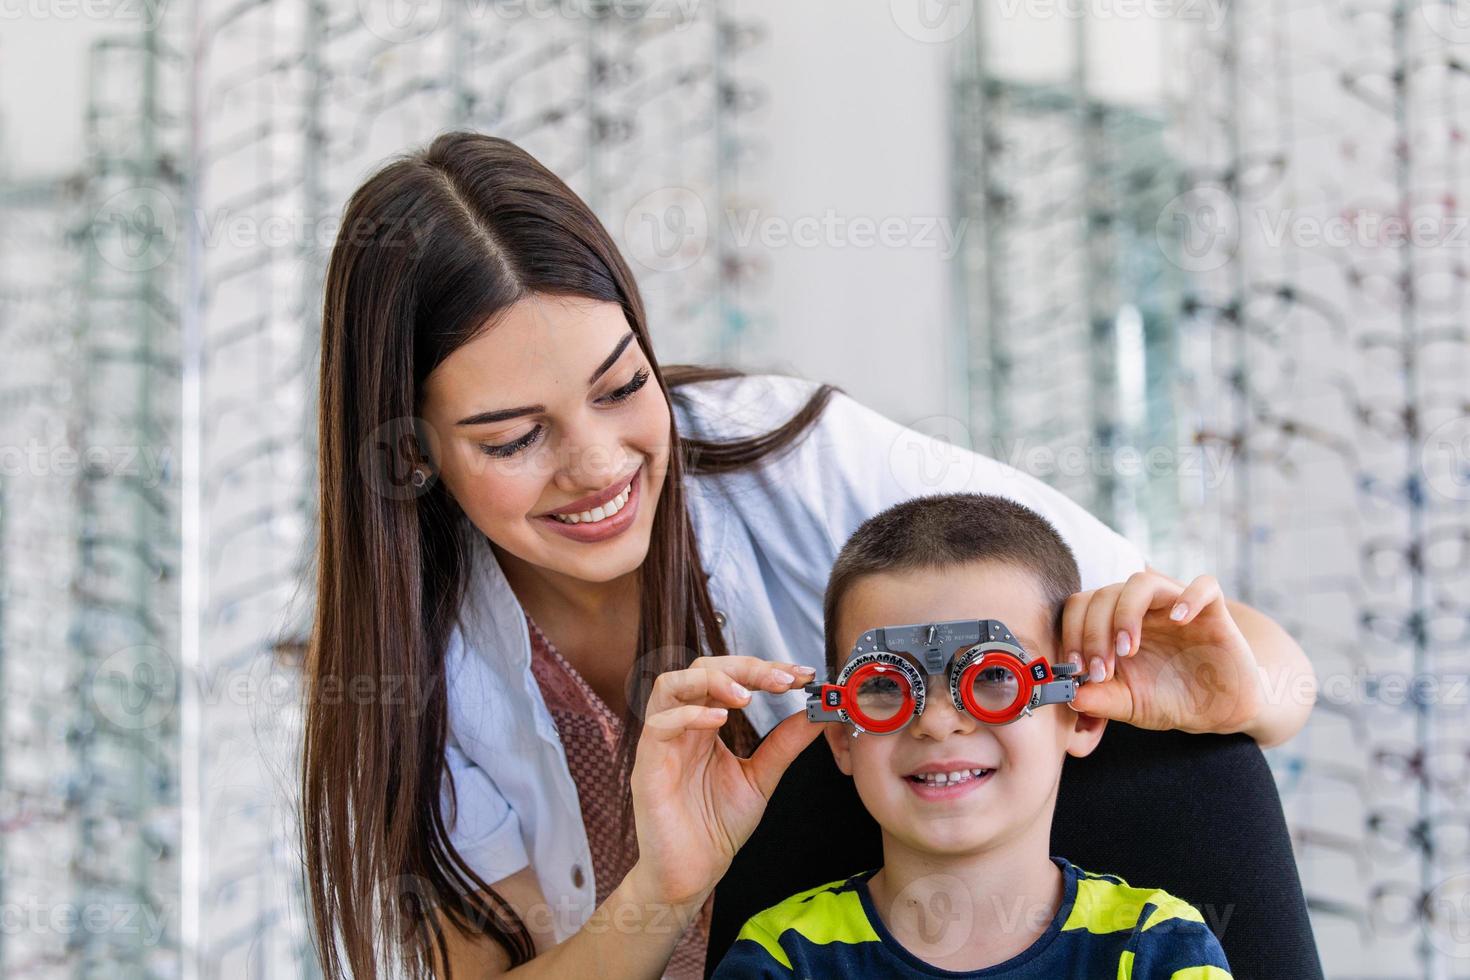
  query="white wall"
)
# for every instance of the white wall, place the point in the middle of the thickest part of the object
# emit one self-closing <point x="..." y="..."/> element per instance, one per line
<point x="858" y="126"/>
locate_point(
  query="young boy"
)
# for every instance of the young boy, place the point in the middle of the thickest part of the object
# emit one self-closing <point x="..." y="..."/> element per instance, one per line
<point x="967" y="887"/>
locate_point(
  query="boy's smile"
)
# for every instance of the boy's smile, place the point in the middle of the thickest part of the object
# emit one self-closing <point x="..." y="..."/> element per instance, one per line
<point x="947" y="779"/>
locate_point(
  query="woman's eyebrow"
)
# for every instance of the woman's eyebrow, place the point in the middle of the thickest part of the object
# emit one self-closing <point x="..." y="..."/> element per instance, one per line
<point x="612" y="359"/>
<point x="504" y="414"/>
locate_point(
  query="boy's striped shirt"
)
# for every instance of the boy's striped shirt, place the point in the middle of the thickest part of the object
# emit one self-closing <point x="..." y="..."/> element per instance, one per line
<point x="1103" y="929"/>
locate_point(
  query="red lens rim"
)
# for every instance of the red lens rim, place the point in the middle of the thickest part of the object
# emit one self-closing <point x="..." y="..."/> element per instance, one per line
<point x="995" y="658"/>
<point x="876" y="725"/>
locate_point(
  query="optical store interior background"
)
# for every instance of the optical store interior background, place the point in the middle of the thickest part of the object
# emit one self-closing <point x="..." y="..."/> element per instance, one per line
<point x="1199" y="264"/>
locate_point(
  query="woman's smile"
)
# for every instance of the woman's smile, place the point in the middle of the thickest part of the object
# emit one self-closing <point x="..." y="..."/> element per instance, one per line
<point x="602" y="522"/>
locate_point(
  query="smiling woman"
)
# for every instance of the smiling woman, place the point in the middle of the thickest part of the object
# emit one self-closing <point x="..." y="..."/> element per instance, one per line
<point x="477" y="307"/>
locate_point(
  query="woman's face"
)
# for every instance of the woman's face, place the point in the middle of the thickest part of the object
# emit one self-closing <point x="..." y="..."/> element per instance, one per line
<point x="551" y="405"/>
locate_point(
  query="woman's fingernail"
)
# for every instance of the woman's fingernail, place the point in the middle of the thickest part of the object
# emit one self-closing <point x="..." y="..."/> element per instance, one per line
<point x="721" y="713"/>
<point x="804" y="669"/>
<point x="1124" y="643"/>
<point x="740" y="690"/>
<point x="1099" y="670"/>
<point x="1075" y="657"/>
<point x="783" y="677"/>
<point x="1179" y="611"/>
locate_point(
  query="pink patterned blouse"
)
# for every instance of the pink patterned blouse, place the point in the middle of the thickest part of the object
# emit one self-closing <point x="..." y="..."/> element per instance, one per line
<point x="589" y="733"/>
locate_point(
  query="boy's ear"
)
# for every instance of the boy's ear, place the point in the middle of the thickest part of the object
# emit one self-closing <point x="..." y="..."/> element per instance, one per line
<point x="839" y="740"/>
<point x="1086" y="732"/>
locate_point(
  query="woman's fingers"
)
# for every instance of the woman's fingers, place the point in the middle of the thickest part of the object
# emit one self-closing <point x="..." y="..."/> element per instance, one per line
<point x="1196" y="596"/>
<point x="726" y="680"/>
<point x="1112" y="701"/>
<point x="803" y="673"/>
<point x="785" y="675"/>
<point x="785" y="742"/>
<point x="1074" y="614"/>
<point x="696" y="685"/>
<point x="1098" y="644"/>
<point x="1143" y="591"/>
<point x="1105" y="624"/>
<point x="667" y="725"/>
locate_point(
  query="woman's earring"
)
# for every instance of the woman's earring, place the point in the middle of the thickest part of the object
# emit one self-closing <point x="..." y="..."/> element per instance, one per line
<point x="419" y="477"/>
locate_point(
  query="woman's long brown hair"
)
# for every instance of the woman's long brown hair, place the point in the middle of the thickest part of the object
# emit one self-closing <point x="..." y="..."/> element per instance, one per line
<point x="432" y="247"/>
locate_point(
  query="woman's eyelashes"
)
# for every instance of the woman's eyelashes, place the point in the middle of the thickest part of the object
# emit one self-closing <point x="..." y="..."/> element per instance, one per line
<point x="640" y="378"/>
<point x="511" y="448"/>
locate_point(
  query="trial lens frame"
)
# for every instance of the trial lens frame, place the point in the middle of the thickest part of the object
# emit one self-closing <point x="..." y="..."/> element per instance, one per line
<point x="961" y="645"/>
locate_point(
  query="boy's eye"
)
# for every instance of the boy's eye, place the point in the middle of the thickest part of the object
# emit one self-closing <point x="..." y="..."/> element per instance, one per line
<point x="640" y="378"/>
<point x="880" y="698"/>
<point x="994" y="688"/>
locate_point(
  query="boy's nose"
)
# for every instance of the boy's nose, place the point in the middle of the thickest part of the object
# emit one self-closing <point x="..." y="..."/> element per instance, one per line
<point x="940" y="719"/>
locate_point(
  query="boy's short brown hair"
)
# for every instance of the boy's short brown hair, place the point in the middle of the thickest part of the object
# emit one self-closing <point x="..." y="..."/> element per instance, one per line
<point x="943" y="530"/>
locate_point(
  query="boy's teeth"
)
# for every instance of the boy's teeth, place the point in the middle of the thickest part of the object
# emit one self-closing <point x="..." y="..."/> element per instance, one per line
<point x="598" y="513"/>
<point x="945" y="778"/>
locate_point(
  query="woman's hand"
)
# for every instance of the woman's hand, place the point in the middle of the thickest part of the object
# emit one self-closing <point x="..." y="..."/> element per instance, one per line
<point x="1161" y="667"/>
<point x="694" y="801"/>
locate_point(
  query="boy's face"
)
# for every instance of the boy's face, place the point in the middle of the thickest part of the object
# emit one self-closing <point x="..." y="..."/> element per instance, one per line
<point x="1024" y="758"/>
